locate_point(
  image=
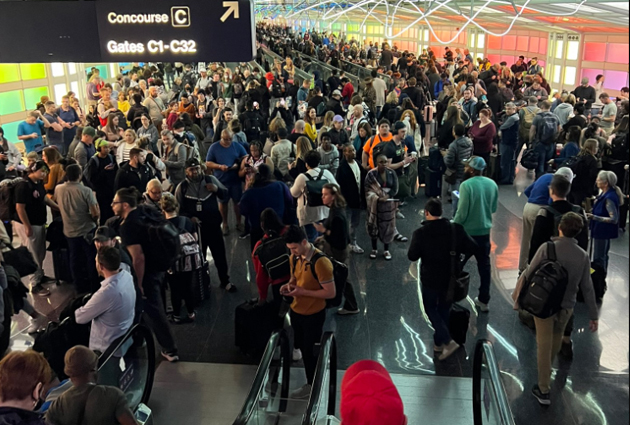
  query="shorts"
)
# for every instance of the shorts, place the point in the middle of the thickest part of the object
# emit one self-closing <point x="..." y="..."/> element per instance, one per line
<point x="235" y="191"/>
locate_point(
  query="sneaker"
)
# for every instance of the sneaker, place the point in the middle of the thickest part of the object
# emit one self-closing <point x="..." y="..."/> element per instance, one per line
<point x="297" y="355"/>
<point x="192" y="316"/>
<point x="448" y="350"/>
<point x="542" y="398"/>
<point x="33" y="326"/>
<point x="373" y="254"/>
<point x="481" y="306"/>
<point x="345" y="312"/>
<point x="438" y="348"/>
<point x="171" y="356"/>
<point x="229" y="287"/>
<point x="387" y="255"/>
<point x="40" y="291"/>
<point x="399" y="215"/>
<point x="243" y="235"/>
<point x="566" y="350"/>
<point x="226" y="230"/>
<point x="357" y="249"/>
<point x="302" y="392"/>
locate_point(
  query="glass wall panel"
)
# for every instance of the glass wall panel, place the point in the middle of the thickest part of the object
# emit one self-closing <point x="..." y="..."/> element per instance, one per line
<point x="559" y="49"/>
<point x="32" y="71"/>
<point x="509" y="42"/>
<point x="10" y="131"/>
<point x="32" y="96"/>
<point x="57" y="69"/>
<point x="11" y="102"/>
<point x="9" y="72"/>
<point x="522" y="43"/>
<point x="617" y="53"/>
<point x="615" y="80"/>
<point x="569" y="75"/>
<point x="573" y="50"/>
<point x="595" y="52"/>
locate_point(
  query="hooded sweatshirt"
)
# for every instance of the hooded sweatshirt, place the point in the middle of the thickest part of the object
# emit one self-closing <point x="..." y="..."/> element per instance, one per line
<point x="15" y="416"/>
<point x="563" y="111"/>
<point x="458" y="151"/>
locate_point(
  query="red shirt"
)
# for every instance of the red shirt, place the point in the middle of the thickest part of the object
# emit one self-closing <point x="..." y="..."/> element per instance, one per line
<point x="483" y="138"/>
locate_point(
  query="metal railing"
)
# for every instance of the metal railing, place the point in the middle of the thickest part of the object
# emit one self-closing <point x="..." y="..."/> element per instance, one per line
<point x="490" y="402"/>
<point x="271" y="57"/>
<point x="361" y="71"/>
<point x="278" y="338"/>
<point x="327" y="361"/>
<point x="325" y="69"/>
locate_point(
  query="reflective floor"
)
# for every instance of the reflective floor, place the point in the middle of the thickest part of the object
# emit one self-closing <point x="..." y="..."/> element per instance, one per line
<point x="392" y="328"/>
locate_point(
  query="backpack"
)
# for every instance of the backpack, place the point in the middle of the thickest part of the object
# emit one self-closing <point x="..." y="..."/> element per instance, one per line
<point x="274" y="257"/>
<point x="321" y="108"/>
<point x="251" y="126"/>
<point x="557" y="216"/>
<point x="340" y="275"/>
<point x="529" y="160"/>
<point x="313" y="189"/>
<point x="573" y="163"/>
<point x="7" y="198"/>
<point x="377" y="150"/>
<point x="93" y="164"/>
<point x="238" y="89"/>
<point x="526" y="122"/>
<point x="436" y="160"/>
<point x="163" y="247"/>
<point x="190" y="254"/>
<point x="548" y="131"/>
<point x="543" y="293"/>
<point x="620" y="148"/>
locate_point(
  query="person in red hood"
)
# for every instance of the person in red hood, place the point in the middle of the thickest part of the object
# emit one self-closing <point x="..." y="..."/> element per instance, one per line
<point x="369" y="396"/>
<point x="269" y="77"/>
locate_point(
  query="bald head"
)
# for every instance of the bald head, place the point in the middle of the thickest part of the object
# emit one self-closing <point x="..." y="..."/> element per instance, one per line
<point x="299" y="126"/>
<point x="358" y="110"/>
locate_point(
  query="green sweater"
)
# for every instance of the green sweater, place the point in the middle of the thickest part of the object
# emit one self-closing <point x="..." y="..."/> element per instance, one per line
<point x="478" y="198"/>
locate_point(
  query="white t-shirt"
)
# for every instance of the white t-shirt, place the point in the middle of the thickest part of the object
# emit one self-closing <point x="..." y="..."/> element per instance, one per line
<point x="357" y="173"/>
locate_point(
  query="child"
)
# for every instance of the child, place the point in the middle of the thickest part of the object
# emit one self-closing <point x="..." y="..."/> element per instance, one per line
<point x="172" y="115"/>
<point x="123" y="103"/>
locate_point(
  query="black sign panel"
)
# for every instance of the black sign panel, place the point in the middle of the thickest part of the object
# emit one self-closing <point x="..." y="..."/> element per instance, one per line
<point x="127" y="31"/>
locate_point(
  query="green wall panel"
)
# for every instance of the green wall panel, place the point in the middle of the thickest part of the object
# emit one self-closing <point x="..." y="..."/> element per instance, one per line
<point x="9" y="72"/>
<point x="10" y="131"/>
<point x="31" y="96"/>
<point x="11" y="102"/>
<point x="33" y="71"/>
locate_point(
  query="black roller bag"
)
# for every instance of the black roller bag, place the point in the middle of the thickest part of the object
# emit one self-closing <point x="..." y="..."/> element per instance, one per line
<point x="253" y="326"/>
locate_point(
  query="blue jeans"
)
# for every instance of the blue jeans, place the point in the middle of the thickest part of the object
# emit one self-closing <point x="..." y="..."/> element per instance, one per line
<point x="311" y="232"/>
<point x="508" y="163"/>
<point x="83" y="264"/>
<point x="483" y="266"/>
<point x="354" y="217"/>
<point x="438" y="311"/>
<point x="545" y="153"/>
<point x="600" y="252"/>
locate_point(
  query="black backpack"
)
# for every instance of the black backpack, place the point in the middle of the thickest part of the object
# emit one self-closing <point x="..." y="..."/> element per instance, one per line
<point x="529" y="160"/>
<point x="274" y="257"/>
<point x="163" y="247"/>
<point x="543" y="293"/>
<point x="340" y="275"/>
<point x="620" y="148"/>
<point x="251" y="126"/>
<point x="314" y="188"/>
<point x="7" y="198"/>
<point x="557" y="216"/>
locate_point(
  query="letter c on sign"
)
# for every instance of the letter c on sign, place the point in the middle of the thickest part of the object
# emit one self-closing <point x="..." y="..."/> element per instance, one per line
<point x="111" y="17"/>
<point x="180" y="17"/>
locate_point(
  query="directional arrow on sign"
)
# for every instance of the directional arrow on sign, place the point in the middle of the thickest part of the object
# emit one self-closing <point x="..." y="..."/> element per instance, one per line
<point x="232" y="8"/>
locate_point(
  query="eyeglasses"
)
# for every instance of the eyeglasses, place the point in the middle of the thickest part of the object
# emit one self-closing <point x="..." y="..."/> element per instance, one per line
<point x="116" y="202"/>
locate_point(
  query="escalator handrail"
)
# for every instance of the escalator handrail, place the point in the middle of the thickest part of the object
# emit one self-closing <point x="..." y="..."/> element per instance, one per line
<point x="484" y="349"/>
<point x="273" y="55"/>
<point x="120" y="342"/>
<point x="279" y="337"/>
<point x="365" y="71"/>
<point x="353" y="78"/>
<point x="328" y="352"/>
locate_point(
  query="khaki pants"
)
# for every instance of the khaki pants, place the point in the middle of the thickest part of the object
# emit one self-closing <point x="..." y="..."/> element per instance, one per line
<point x="529" y="218"/>
<point x="549" y="333"/>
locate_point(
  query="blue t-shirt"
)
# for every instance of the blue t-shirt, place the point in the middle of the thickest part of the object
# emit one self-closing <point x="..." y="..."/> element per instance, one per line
<point x="24" y="129"/>
<point x="226" y="156"/>
<point x="53" y="137"/>
<point x="538" y="192"/>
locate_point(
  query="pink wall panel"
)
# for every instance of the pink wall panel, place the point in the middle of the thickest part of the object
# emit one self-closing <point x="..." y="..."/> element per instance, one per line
<point x="542" y="47"/>
<point x="533" y="44"/>
<point x="509" y="42"/>
<point x="591" y="74"/>
<point x="595" y="52"/>
<point x="615" y="80"/>
<point x="617" y="53"/>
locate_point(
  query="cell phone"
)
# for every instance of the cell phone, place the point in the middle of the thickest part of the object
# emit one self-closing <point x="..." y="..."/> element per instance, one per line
<point x="456" y="193"/>
<point x="283" y="102"/>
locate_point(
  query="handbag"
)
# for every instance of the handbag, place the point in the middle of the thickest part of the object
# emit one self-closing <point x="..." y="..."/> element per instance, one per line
<point x="20" y="259"/>
<point x="450" y="176"/>
<point x="460" y="280"/>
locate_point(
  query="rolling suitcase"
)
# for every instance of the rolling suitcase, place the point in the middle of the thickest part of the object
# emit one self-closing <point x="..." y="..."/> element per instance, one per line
<point x="61" y="265"/>
<point x="253" y="325"/>
<point x="458" y="323"/>
<point x="494" y="168"/>
<point x="432" y="183"/>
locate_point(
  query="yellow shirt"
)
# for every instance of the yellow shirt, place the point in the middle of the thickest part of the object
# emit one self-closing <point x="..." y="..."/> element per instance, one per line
<point x="124" y="106"/>
<point x="307" y="306"/>
<point x="311" y="131"/>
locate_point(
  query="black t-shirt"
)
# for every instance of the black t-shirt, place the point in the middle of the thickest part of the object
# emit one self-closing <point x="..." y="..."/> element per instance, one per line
<point x="33" y="196"/>
<point x="134" y="232"/>
<point x="184" y="223"/>
<point x="396" y="153"/>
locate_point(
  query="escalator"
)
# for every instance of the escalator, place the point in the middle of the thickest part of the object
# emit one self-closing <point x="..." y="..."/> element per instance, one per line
<point x="267" y="402"/>
<point x="325" y="70"/>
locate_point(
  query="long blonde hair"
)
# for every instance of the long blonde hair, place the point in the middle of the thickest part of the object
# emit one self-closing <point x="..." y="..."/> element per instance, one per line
<point x="302" y="146"/>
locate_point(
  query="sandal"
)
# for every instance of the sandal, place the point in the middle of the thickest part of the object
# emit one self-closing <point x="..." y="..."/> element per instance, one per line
<point x="387" y="255"/>
<point x="401" y="238"/>
<point x="373" y="254"/>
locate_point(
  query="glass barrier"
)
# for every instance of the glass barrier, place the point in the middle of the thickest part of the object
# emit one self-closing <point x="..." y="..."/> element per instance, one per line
<point x="325" y="69"/>
<point x="129" y="364"/>
<point x="271" y="57"/>
<point x="267" y="398"/>
<point x="362" y="72"/>
<point x="322" y="403"/>
<point x="490" y="402"/>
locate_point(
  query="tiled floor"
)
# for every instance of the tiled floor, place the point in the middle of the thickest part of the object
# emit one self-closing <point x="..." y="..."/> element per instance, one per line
<point x="392" y="328"/>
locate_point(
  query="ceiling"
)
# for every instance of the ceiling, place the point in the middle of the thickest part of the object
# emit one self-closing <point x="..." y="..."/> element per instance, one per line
<point x="497" y="16"/>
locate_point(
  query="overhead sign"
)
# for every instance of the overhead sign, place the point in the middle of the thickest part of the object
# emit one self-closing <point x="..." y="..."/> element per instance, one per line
<point x="121" y="31"/>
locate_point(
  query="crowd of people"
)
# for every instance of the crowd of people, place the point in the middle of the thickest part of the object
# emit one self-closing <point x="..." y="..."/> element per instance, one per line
<point x="300" y="161"/>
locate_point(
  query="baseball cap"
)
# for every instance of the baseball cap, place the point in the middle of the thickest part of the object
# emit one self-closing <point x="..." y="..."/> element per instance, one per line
<point x="38" y="165"/>
<point x="338" y="118"/>
<point x="79" y="361"/>
<point x="398" y="126"/>
<point x="89" y="131"/>
<point x="565" y="172"/>
<point x="475" y="162"/>
<point x="100" y="142"/>
<point x="585" y="80"/>
<point x="336" y="93"/>
<point x="192" y="162"/>
<point x="369" y="396"/>
<point x="104" y="234"/>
